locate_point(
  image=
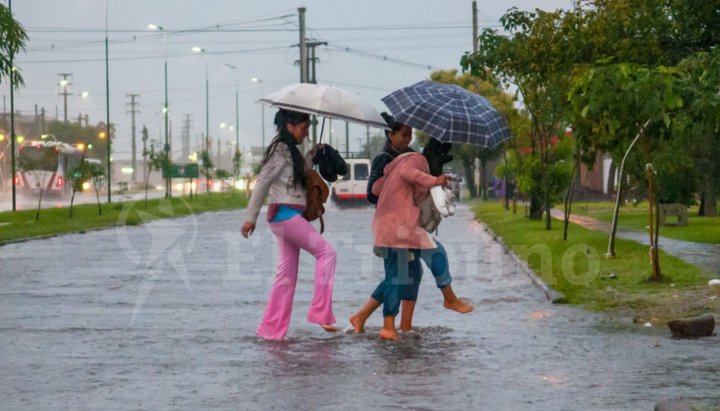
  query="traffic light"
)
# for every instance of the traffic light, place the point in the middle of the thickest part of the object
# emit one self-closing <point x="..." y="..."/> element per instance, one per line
<point x="102" y="135"/>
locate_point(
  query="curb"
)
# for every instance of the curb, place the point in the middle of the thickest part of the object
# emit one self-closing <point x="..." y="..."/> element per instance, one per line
<point x="553" y="296"/>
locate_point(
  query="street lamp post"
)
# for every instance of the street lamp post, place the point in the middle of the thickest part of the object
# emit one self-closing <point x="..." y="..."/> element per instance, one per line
<point x="12" y="119"/>
<point x="262" y="115"/>
<point x="237" y="112"/>
<point x="166" y="146"/>
<point x="107" y="107"/>
<point x="197" y="49"/>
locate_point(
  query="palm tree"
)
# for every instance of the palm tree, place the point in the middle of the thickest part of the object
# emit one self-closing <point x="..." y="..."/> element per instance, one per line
<point x="12" y="40"/>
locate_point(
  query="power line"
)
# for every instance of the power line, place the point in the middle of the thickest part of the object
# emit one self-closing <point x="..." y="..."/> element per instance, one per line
<point x="383" y="58"/>
<point x="88" y="60"/>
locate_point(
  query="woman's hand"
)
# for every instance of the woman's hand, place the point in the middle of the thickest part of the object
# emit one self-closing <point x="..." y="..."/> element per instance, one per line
<point x="442" y="180"/>
<point x="247" y="229"/>
<point x="315" y="149"/>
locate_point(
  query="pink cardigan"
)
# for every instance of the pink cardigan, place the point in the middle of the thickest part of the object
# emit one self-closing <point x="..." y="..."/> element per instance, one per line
<point x="405" y="182"/>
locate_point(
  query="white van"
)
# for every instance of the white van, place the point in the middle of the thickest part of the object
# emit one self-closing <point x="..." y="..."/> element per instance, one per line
<point x="353" y="185"/>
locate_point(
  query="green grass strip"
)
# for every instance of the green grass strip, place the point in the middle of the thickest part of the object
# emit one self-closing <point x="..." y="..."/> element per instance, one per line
<point x="22" y="225"/>
<point x="579" y="269"/>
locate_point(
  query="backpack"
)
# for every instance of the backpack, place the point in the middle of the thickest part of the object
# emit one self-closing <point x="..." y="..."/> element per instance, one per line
<point x="317" y="193"/>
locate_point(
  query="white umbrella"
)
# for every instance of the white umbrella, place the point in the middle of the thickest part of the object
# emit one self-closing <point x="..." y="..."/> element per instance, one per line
<point x="327" y="101"/>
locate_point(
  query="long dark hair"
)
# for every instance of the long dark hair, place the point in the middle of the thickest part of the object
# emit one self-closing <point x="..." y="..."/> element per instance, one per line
<point x="282" y="119"/>
<point x="394" y="125"/>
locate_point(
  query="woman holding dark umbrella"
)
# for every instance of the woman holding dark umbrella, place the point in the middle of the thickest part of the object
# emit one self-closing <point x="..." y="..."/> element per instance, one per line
<point x="399" y="137"/>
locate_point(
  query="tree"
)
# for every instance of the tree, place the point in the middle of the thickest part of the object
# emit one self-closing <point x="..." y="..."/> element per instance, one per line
<point x="222" y="175"/>
<point x="698" y="129"/>
<point x="377" y="142"/>
<point x="33" y="166"/>
<point x="466" y="153"/>
<point x="12" y="40"/>
<point x="155" y="160"/>
<point x="207" y="167"/>
<point x="84" y="172"/>
<point x="614" y="102"/>
<point x="535" y="58"/>
<point x="237" y="162"/>
<point x="508" y="170"/>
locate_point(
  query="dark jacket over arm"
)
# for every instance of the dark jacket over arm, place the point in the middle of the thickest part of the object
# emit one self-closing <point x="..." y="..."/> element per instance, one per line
<point x="377" y="169"/>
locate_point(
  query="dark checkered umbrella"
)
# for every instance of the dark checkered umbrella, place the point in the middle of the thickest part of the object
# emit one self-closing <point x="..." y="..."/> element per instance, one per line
<point x="449" y="113"/>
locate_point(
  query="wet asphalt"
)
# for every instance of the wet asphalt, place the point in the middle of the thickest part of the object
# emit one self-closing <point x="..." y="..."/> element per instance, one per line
<point x="163" y="315"/>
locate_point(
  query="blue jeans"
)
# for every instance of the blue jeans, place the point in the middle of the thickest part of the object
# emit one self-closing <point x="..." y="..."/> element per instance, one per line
<point x="402" y="281"/>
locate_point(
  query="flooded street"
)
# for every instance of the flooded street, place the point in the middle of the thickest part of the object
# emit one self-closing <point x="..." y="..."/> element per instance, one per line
<point x="163" y="316"/>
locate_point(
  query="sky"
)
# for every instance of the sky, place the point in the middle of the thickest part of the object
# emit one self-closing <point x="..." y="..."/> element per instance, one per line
<point x="373" y="47"/>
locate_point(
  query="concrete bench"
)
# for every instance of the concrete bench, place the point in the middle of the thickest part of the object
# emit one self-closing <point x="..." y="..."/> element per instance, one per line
<point x="678" y="210"/>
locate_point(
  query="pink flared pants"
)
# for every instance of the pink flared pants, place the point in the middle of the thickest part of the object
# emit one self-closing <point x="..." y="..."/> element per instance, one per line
<point x="292" y="235"/>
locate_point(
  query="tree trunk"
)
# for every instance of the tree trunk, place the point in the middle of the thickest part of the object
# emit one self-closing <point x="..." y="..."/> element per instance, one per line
<point x="653" y="242"/>
<point x="708" y="200"/>
<point x="548" y="217"/>
<point x="147" y="181"/>
<point x="613" y="227"/>
<point x="483" y="179"/>
<point x="72" y="200"/>
<point x="535" y="207"/>
<point x="568" y="201"/>
<point x="469" y="177"/>
<point x="97" y="197"/>
<point x="506" y="203"/>
<point x="37" y="213"/>
<point x="656" y="255"/>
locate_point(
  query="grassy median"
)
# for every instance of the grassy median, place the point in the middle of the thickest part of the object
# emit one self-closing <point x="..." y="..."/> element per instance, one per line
<point x="578" y="268"/>
<point x="22" y="225"/>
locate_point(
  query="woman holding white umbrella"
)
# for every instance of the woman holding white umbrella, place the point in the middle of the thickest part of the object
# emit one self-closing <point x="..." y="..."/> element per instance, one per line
<point x="282" y="177"/>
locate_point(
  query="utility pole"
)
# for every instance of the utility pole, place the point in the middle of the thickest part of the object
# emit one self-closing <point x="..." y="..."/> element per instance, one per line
<point x="367" y="140"/>
<point x="12" y="118"/>
<point x="303" y="48"/>
<point x="347" y="140"/>
<point x="186" y="137"/>
<point x="145" y="155"/>
<point x="42" y="120"/>
<point x="64" y="83"/>
<point x="133" y="144"/>
<point x="311" y="45"/>
<point x="475" y="26"/>
<point x="219" y="153"/>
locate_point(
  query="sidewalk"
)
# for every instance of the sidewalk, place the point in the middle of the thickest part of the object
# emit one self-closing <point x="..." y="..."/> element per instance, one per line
<point x="705" y="256"/>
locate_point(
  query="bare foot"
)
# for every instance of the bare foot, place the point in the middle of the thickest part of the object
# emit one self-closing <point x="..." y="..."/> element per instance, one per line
<point x="458" y="305"/>
<point x="405" y="329"/>
<point x="329" y="327"/>
<point x="357" y="323"/>
<point x="389" y="334"/>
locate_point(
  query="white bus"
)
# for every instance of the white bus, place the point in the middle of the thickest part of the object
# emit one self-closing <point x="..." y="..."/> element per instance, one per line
<point x="46" y="165"/>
